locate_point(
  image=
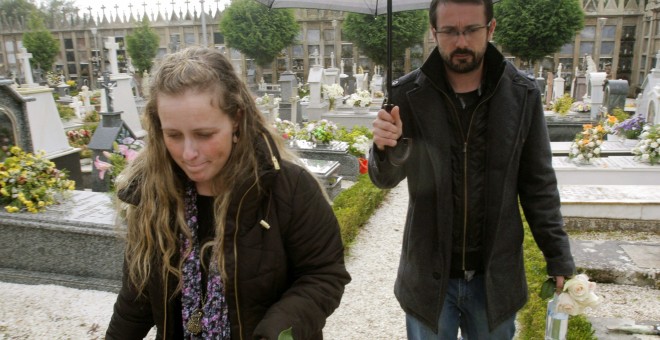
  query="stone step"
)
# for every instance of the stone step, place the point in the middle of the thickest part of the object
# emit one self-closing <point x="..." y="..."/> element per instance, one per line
<point x="611" y="207"/>
<point x="620" y="262"/>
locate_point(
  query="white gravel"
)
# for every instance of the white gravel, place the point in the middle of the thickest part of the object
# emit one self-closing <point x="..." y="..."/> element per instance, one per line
<point x="368" y="309"/>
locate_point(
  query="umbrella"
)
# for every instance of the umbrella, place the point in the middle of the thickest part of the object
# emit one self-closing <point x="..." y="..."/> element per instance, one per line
<point x="373" y="7"/>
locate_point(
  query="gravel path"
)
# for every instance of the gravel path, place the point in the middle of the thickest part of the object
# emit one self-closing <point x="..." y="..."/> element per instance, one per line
<point x="368" y="309"/>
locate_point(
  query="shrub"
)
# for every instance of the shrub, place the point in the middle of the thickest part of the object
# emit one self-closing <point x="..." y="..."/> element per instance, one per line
<point x="66" y="113"/>
<point x="355" y="205"/>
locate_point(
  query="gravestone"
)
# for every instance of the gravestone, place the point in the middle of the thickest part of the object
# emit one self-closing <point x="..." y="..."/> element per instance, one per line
<point x="548" y="88"/>
<point x="77" y="107"/>
<point x="315" y="107"/>
<point x="579" y="85"/>
<point x="331" y="74"/>
<point x="111" y="129"/>
<point x="34" y="123"/>
<point x="558" y="84"/>
<point x="648" y="102"/>
<point x="289" y="91"/>
<point x="337" y="151"/>
<point x="25" y="57"/>
<point x="540" y="82"/>
<point x="125" y="102"/>
<point x="86" y="94"/>
<point x="597" y="92"/>
<point x="616" y="92"/>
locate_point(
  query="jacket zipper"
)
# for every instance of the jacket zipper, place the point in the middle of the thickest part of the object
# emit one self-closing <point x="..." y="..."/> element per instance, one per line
<point x="276" y="164"/>
<point x="465" y="138"/>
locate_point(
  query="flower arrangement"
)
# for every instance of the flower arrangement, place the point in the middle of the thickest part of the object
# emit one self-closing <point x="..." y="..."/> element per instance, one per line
<point x="578" y="294"/>
<point x="361" y="98"/>
<point x="586" y="145"/>
<point x="30" y="182"/>
<point x="630" y="128"/>
<point x="359" y="140"/>
<point x="285" y="128"/>
<point x="268" y="101"/>
<point x="648" y="147"/>
<point x="331" y="93"/>
<point x="123" y="153"/>
<point x="562" y="104"/>
<point x="322" y="131"/>
<point x="79" y="139"/>
<point x="580" y="106"/>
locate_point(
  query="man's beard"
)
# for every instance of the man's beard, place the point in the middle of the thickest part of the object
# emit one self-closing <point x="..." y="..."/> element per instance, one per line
<point x="463" y="65"/>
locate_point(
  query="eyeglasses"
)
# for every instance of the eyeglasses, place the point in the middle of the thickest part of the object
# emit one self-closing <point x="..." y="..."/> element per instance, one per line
<point x="452" y="34"/>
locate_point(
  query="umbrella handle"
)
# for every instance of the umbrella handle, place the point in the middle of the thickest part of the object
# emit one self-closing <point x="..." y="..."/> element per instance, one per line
<point x="398" y="155"/>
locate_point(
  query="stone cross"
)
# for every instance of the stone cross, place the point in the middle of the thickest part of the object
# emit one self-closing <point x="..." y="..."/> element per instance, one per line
<point x="85" y="94"/>
<point x="112" y="47"/>
<point x="109" y="86"/>
<point x="77" y="107"/>
<point x="25" y="64"/>
<point x="315" y="55"/>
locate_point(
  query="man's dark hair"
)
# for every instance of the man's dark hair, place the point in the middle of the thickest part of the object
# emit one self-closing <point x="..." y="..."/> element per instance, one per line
<point x="433" y="9"/>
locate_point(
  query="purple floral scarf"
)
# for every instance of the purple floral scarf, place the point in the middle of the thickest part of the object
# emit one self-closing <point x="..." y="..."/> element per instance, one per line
<point x="215" y="318"/>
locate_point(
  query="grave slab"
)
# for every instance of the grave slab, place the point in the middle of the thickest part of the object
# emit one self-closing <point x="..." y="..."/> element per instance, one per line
<point x="615" y="170"/>
<point x="75" y="241"/>
<point x="609" y="148"/>
<point x="338" y="151"/>
<point x="611" y="261"/>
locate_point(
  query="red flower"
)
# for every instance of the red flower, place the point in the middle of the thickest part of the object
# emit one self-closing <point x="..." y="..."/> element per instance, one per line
<point x="364" y="165"/>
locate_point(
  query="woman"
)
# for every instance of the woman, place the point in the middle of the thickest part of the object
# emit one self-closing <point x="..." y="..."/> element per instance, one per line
<point x="226" y="236"/>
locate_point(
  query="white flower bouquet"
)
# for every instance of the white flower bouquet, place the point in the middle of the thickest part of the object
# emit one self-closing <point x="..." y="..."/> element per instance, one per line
<point x="361" y="98"/>
<point x="648" y="147"/>
<point x="332" y="91"/>
<point x="587" y="143"/>
<point x="578" y="294"/>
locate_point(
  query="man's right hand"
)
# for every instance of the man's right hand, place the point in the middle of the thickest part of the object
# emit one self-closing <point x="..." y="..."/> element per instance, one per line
<point x="387" y="128"/>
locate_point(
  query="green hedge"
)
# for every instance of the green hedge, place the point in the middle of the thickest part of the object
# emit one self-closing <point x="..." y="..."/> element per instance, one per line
<point x="355" y="205"/>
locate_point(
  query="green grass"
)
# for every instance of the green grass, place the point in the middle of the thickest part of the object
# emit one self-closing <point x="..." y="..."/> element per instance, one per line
<point x="531" y="318"/>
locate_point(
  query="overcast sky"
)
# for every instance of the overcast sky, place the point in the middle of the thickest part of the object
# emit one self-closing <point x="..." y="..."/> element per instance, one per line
<point x="165" y="6"/>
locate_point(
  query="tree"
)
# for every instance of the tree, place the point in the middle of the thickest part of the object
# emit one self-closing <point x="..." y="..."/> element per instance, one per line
<point x="54" y="11"/>
<point x="142" y="46"/>
<point x="40" y="42"/>
<point x="532" y="30"/>
<point x="258" y="32"/>
<point x="369" y="33"/>
<point x="16" y="9"/>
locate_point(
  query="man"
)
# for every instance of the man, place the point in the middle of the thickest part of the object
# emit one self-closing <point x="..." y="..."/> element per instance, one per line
<point x="478" y="145"/>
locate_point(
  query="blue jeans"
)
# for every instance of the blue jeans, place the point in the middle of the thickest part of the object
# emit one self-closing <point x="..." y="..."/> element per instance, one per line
<point x="464" y="307"/>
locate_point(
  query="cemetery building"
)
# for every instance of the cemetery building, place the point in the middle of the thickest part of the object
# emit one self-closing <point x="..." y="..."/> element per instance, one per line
<point x="621" y="36"/>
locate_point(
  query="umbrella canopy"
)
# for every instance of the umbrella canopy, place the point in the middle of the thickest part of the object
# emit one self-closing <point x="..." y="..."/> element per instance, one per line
<point x="373" y="7"/>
